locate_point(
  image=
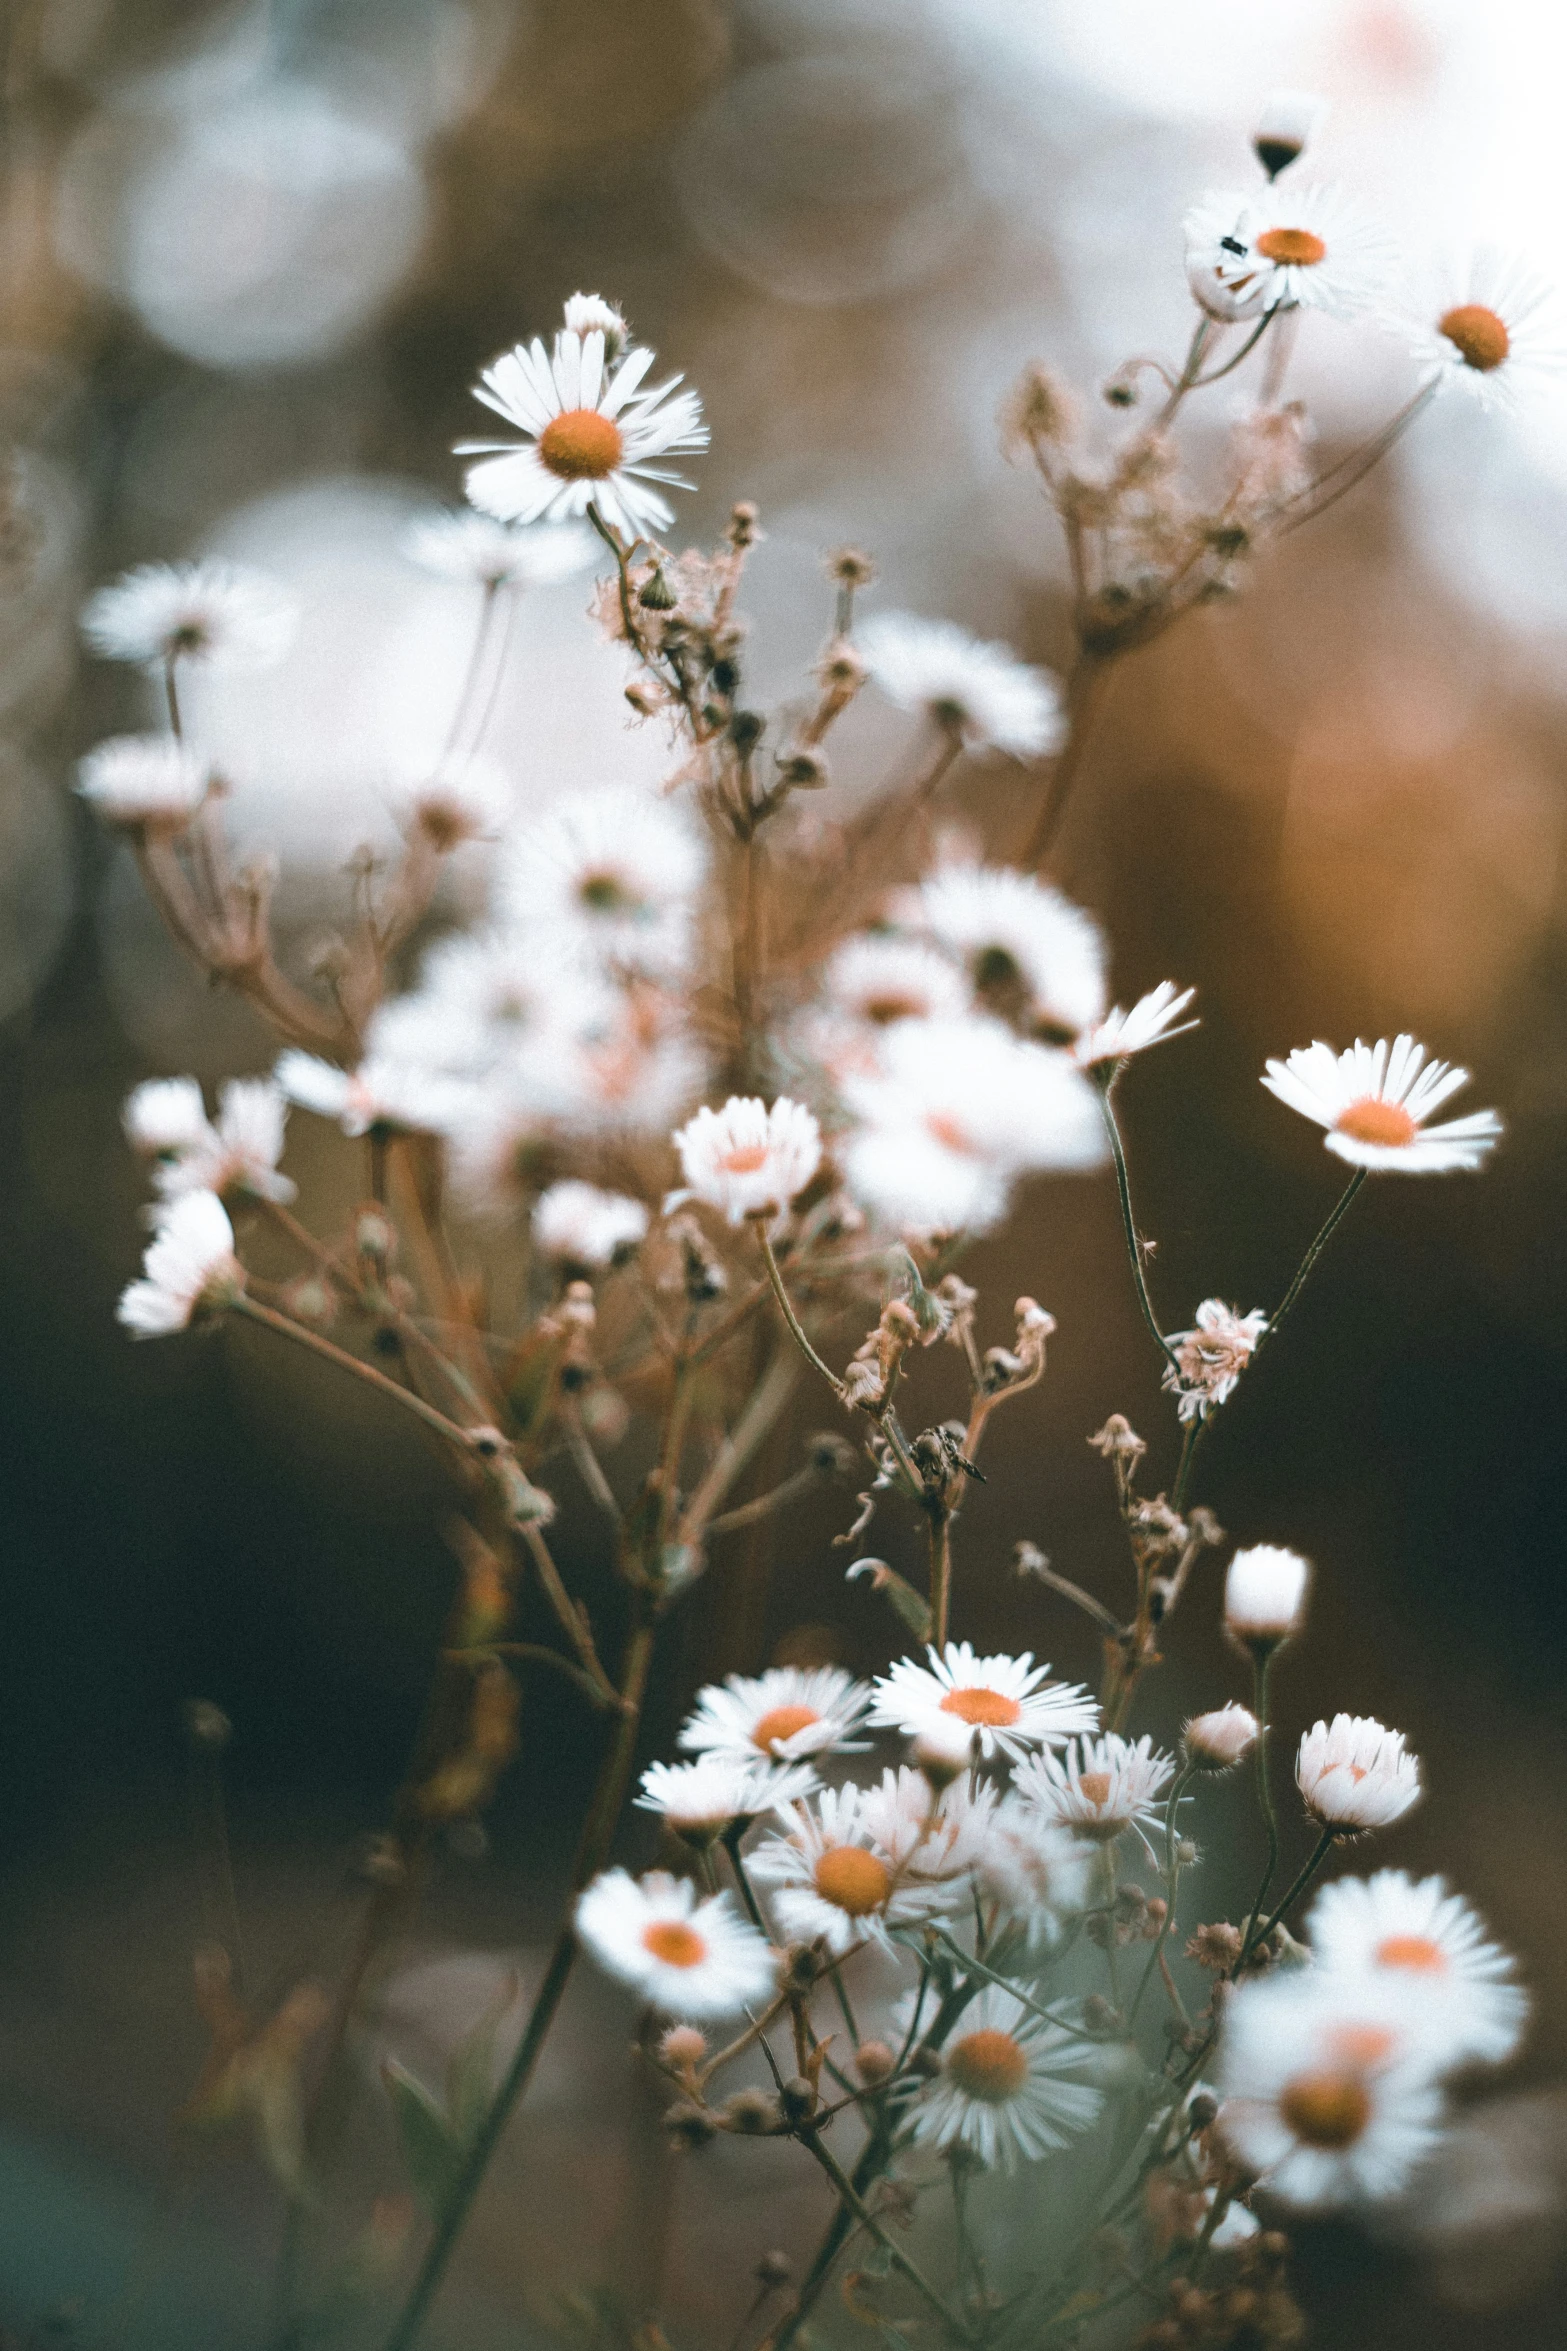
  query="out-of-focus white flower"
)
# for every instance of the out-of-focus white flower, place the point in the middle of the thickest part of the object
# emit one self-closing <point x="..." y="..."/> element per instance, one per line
<point x="491" y="1004"/>
<point x="1009" y="1703"/>
<point x="1099" y="1787"/>
<point x="699" y="1801"/>
<point x="580" y="1225"/>
<point x="1355" y="1774"/>
<point x="1003" y="2090"/>
<point x="612" y="875"/>
<point x="467" y="798"/>
<point x="165" y="1115"/>
<point x="189" y="1264"/>
<point x="1265" y="1594"/>
<point x="241" y="1153"/>
<point x="685" y="1957"/>
<point x="1492" y="326"/>
<point x="977" y="691"/>
<point x="592" y="435"/>
<point x="1286" y="126"/>
<point x="926" y="1833"/>
<point x="498" y="1147"/>
<point x="1427" y="1940"/>
<point x="588" y="314"/>
<point x="1152" y="1019"/>
<point x="1374" y="1101"/>
<point x="1027" y="950"/>
<point x="222" y="616"/>
<point x="788" y="1713"/>
<point x="747" y="1159"/>
<point x="143" y="780"/>
<point x="957" y="1111"/>
<point x="490" y="554"/>
<point x="1308" y="244"/>
<point x="831" y="1880"/>
<point x="1223" y="1737"/>
<point x="879" y="980"/>
<point x="1210" y="1359"/>
<point x="1327" y="2087"/>
<point x="381" y="1092"/>
<point x="1035" y="1870"/>
<point x="640" y="1074"/>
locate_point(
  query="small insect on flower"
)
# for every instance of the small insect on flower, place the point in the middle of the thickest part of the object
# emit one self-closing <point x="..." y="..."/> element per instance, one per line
<point x="833" y="1881"/>
<point x="1004" y="2089"/>
<point x="218" y="616"/>
<point x="143" y="780"/>
<point x="1428" y="1942"/>
<point x="1374" y="1101"/>
<point x="189" y="1267"/>
<point x="1327" y="2086"/>
<point x="1219" y="1739"/>
<point x="1248" y="253"/>
<point x="1152" y="1020"/>
<point x="746" y="1159"/>
<point x="699" y="1801"/>
<point x="490" y="554"/>
<point x="1100" y="1787"/>
<point x="1265" y="1595"/>
<point x="578" y="1225"/>
<point x="241" y="1153"/>
<point x="1355" y="1774"/>
<point x="979" y="693"/>
<point x="592" y="433"/>
<point x="1209" y="1360"/>
<point x="687" y="1958"/>
<point x="785" y="1714"/>
<point x="1491" y="326"/>
<point x="1009" y="1702"/>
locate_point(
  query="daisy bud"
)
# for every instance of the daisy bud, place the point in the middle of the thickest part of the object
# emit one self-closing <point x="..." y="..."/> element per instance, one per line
<point x="1356" y="1775"/>
<point x="1216" y="1741"/>
<point x="944" y="1750"/>
<point x="1289" y="121"/>
<point x="688" y="2125"/>
<point x="1265" y="1596"/>
<point x="683" y="2046"/>
<point x="773" y="2270"/>
<point x="803" y="771"/>
<point x="1040" y="408"/>
<point x="752" y="2113"/>
<point x="375" y="1236"/>
<point x="874" y="2062"/>
<point x="588" y="314"/>
<point x="742" y="530"/>
<point x="797" y="2098"/>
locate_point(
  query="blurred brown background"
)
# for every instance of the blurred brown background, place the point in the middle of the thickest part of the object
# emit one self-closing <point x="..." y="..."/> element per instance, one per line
<point x="251" y="259"/>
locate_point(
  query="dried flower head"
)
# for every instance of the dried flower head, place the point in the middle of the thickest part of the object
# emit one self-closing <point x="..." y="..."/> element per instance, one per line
<point x="1209" y="1360"/>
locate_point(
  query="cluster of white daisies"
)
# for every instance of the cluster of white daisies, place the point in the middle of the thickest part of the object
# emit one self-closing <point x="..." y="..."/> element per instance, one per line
<point x="995" y="1834"/>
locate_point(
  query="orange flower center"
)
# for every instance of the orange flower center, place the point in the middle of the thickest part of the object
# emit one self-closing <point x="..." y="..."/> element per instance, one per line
<point x="744" y="1159"/>
<point x="781" y="1724"/>
<point x="983" y="1706"/>
<point x="1095" y="1785"/>
<point x="673" y="1942"/>
<point x="1478" y="336"/>
<point x="1371" y="1120"/>
<point x="1326" y="2109"/>
<point x="1288" y="248"/>
<point x="1416" y="1951"/>
<point x="945" y="1129"/>
<point x="581" y="445"/>
<point x="989" y="2065"/>
<point x="853" y="1880"/>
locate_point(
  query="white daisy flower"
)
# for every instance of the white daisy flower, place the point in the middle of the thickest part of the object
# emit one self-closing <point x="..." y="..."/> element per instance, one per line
<point x="685" y="1957"/>
<point x="1260" y="251"/>
<point x="164" y="1116"/>
<point x="1285" y="127"/>
<point x="957" y="1111"/>
<point x="1374" y="1101"/>
<point x="1210" y="1359"/>
<point x="747" y="1159"/>
<point x="582" y="1226"/>
<point x="641" y="1075"/>
<point x="1327" y="2087"/>
<point x="592" y="436"/>
<point x="189" y="1264"/>
<point x="980" y="692"/>
<point x="1004" y="2088"/>
<point x="1152" y="1019"/>
<point x="788" y="1713"/>
<point x="1223" y="1737"/>
<point x="490" y="554"/>
<point x="1034" y="1870"/>
<point x="488" y="1003"/>
<point x="588" y="314"/>
<point x="1008" y="1702"/>
<point x="1100" y="1787"/>
<point x="1423" y="1937"/>
<point x="143" y="780"/>
<point x="832" y="1881"/>
<point x="925" y="1833"/>
<point x="875" y="981"/>
<point x="1029" y="952"/>
<point x="467" y="798"/>
<point x="1493" y="327"/>
<point x="699" y="1801"/>
<point x="1354" y="1774"/>
<point x="241" y="1153"/>
<point x="381" y="1092"/>
<point x="1265" y="1594"/>
<point x="612" y="875"/>
<point x="222" y="616"/>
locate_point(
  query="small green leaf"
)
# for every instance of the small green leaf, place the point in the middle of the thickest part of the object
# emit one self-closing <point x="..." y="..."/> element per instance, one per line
<point x="431" y="2149"/>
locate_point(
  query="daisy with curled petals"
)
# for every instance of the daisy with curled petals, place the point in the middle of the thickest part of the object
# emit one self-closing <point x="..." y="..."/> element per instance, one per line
<point x="1152" y="1019"/>
<point x="1493" y="328"/>
<point x="700" y="1801"/>
<point x="135" y="780"/>
<point x="1209" y="1360"/>
<point x="1374" y="1101"/>
<point x="688" y="1958"/>
<point x="1355" y="1774"/>
<point x="1008" y="1701"/>
<point x="786" y="1714"/>
<point x="832" y="1880"/>
<point x="979" y="693"/>
<point x="748" y="1159"/>
<point x="1327" y="2087"/>
<point x="1099" y="1787"/>
<point x="1004" y="2090"/>
<point x="189" y="1265"/>
<point x="239" y="1154"/>
<point x="1310" y="245"/>
<point x="1416" y="1934"/>
<point x="592" y="436"/>
<point x="220" y="616"/>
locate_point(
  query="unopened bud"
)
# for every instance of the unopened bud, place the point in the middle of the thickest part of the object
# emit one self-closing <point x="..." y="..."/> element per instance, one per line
<point x="1202" y="2110"/>
<point x="943" y="1750"/>
<point x="1288" y="123"/>
<point x="797" y="2098"/>
<point x="773" y="2270"/>
<point x="683" y="2046"/>
<point x="375" y="1236"/>
<point x="752" y="2113"/>
<point x="873" y="2062"/>
<point x="1265" y="1596"/>
<point x="688" y="2124"/>
<point x="1226" y="1736"/>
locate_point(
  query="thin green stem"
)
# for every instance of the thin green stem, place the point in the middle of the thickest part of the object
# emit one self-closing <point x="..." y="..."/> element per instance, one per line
<point x="856" y="2205"/>
<point x="1336" y="1217"/>
<point x="1134" y="1247"/>
<point x="1262" y="1661"/>
<point x="1324" y="1846"/>
<point x="1172" y="1880"/>
<point x="791" y="1318"/>
<point x="256" y="1312"/>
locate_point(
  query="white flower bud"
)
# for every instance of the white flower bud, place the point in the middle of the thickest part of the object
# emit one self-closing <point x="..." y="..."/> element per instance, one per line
<point x="1265" y="1595"/>
<point x="1217" y="1740"/>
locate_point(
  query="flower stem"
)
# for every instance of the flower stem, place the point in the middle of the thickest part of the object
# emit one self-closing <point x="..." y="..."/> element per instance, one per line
<point x="1324" y="1846"/>
<point x="1339" y="1212"/>
<point x="1261" y="1664"/>
<point x="1134" y="1247"/>
<point x="791" y="1318"/>
<point x="256" y="1312"/>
